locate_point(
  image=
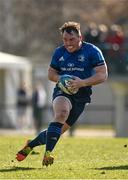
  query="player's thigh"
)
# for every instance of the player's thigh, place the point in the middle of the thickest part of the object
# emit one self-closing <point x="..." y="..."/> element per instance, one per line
<point x="61" y="104"/>
<point x="77" y="109"/>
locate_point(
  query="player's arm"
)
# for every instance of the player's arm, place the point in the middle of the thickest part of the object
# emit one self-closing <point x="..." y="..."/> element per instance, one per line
<point x="53" y="74"/>
<point x="99" y="77"/>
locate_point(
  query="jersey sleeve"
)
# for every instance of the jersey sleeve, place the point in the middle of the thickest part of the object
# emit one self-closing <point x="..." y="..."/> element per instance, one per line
<point x="54" y="61"/>
<point x="97" y="58"/>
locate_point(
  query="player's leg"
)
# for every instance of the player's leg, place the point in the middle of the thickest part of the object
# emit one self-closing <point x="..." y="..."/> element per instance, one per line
<point x="61" y="113"/>
<point x="72" y="117"/>
<point x="41" y="138"/>
<point x="75" y="112"/>
<point x="37" y="141"/>
<point x="65" y="127"/>
<point x="61" y="108"/>
<point x="23" y="153"/>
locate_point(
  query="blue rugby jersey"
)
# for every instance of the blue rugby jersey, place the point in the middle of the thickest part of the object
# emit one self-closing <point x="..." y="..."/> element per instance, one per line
<point x="80" y="63"/>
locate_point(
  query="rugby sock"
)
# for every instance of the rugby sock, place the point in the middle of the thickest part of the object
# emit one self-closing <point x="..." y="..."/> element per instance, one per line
<point x="39" y="140"/>
<point x="53" y="135"/>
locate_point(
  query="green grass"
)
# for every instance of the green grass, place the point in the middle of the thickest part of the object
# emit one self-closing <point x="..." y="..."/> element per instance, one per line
<point x="75" y="158"/>
<point x="96" y="127"/>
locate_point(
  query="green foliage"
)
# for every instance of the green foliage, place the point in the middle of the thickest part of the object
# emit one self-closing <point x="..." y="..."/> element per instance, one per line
<point x="75" y="158"/>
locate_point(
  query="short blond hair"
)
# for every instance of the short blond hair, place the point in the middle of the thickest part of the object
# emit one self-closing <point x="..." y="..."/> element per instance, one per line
<point x="70" y="26"/>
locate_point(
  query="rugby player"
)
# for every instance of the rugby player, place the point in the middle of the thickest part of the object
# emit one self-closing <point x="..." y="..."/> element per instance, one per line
<point x="83" y="60"/>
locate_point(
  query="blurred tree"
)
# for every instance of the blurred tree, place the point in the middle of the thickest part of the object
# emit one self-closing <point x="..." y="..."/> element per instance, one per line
<point x="29" y="28"/>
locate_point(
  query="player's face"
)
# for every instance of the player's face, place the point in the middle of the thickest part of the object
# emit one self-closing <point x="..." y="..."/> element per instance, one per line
<point x="72" y="41"/>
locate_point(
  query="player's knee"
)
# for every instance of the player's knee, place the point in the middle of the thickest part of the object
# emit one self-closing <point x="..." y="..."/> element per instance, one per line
<point x="62" y="115"/>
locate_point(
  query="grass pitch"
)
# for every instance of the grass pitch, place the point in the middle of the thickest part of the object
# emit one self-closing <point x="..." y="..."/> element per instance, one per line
<point x="75" y="158"/>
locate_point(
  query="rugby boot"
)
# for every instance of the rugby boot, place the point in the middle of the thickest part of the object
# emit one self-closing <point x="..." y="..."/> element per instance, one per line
<point x="48" y="159"/>
<point x="23" y="153"/>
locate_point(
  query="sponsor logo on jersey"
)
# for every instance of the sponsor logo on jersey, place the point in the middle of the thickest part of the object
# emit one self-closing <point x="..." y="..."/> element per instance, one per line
<point x="72" y="69"/>
<point x="70" y="64"/>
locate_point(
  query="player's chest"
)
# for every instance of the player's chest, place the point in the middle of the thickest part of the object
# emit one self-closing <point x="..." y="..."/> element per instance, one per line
<point x="75" y="60"/>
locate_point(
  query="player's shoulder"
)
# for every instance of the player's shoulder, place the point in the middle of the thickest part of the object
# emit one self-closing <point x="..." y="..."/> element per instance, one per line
<point x="60" y="49"/>
<point x="89" y="46"/>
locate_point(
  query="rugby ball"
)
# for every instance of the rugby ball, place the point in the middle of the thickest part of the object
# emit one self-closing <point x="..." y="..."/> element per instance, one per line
<point x="64" y="84"/>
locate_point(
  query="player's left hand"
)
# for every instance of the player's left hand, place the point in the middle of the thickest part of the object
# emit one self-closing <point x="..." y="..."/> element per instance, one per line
<point x="76" y="83"/>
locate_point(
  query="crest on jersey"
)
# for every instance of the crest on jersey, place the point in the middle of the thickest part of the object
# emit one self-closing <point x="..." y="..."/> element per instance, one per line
<point x="81" y="58"/>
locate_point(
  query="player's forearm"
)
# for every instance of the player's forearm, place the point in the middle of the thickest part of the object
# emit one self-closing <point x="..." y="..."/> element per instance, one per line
<point x="54" y="78"/>
<point x="100" y="76"/>
<point x="53" y="75"/>
<point x="95" y="79"/>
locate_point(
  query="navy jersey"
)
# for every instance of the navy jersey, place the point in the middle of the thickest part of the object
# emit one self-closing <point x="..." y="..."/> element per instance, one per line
<point x="80" y="63"/>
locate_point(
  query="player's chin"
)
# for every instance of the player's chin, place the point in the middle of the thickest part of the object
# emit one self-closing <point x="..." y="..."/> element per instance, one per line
<point x="71" y="50"/>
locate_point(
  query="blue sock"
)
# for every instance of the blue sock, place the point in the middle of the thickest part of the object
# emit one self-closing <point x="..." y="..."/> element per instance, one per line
<point x="53" y="135"/>
<point x="39" y="140"/>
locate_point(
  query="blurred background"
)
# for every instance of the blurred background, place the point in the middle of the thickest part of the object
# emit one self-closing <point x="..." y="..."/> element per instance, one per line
<point x="29" y="32"/>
